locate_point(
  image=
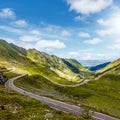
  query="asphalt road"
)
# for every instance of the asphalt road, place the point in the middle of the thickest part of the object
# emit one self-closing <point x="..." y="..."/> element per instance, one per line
<point x="55" y="104"/>
<point x="76" y="85"/>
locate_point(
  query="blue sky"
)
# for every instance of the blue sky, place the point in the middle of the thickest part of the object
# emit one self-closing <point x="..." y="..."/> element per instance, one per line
<point x="80" y="29"/>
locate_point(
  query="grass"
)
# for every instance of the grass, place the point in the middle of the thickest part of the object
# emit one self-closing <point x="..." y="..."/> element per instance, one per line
<point x="11" y="75"/>
<point x="102" y="95"/>
<point x="35" y="62"/>
<point x="110" y="68"/>
<point x="14" y="106"/>
<point x="34" y="69"/>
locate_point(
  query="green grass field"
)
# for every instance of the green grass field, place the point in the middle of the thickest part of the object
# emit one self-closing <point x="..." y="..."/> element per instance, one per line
<point x="14" y="106"/>
<point x="34" y="62"/>
<point x="102" y="95"/>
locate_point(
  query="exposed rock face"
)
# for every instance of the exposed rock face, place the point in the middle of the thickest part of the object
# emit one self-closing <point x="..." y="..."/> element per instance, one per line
<point x="3" y="78"/>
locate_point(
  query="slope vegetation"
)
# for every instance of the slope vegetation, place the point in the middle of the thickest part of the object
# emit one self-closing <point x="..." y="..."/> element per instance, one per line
<point x="14" y="106"/>
<point x="35" y="62"/>
<point x="112" y="68"/>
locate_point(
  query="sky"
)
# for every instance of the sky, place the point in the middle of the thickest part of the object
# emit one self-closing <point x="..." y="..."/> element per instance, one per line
<point x="78" y="29"/>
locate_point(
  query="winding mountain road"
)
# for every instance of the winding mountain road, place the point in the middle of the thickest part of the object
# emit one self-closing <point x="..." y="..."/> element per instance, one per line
<point x="62" y="85"/>
<point x="55" y="104"/>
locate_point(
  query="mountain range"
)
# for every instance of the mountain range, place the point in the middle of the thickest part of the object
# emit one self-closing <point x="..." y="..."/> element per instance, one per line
<point x="33" y="61"/>
<point x="98" y="67"/>
<point x="42" y="68"/>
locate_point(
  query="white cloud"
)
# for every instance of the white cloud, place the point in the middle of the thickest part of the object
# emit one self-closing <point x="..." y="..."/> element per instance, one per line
<point x="36" y="32"/>
<point x="88" y="6"/>
<point x="101" y="22"/>
<point x="115" y="45"/>
<point x="29" y="38"/>
<point x="20" y="23"/>
<point x="51" y="28"/>
<point x="111" y="24"/>
<point x="39" y="44"/>
<point x="81" y="55"/>
<point x="94" y="41"/>
<point x="49" y="45"/>
<point x="25" y="45"/>
<point x="87" y="55"/>
<point x="104" y="32"/>
<point x="7" y="13"/>
<point x="9" y="40"/>
<point x="79" y="18"/>
<point x="10" y="29"/>
<point x="73" y="53"/>
<point x="113" y="21"/>
<point x="65" y="33"/>
<point x="84" y="35"/>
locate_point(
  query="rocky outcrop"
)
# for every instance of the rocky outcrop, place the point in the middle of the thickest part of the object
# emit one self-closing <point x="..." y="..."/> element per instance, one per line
<point x="3" y="78"/>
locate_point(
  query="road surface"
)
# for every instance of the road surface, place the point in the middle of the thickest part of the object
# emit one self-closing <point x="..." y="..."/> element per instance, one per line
<point x="55" y="104"/>
<point x="76" y="85"/>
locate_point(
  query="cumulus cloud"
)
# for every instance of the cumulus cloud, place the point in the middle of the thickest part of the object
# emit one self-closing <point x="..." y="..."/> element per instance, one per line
<point x="36" y="32"/>
<point x="49" y="45"/>
<point x="79" y="18"/>
<point x="87" y="55"/>
<point x="65" y="33"/>
<point x="88" y="6"/>
<point x="104" y="32"/>
<point x="7" y="13"/>
<point x="20" y="23"/>
<point x="115" y="45"/>
<point x="50" y="27"/>
<point x="29" y="38"/>
<point x="34" y="41"/>
<point x="111" y="24"/>
<point x="84" y="34"/>
<point x="74" y="53"/>
<point x="10" y="29"/>
<point x="94" y="41"/>
<point x="9" y="40"/>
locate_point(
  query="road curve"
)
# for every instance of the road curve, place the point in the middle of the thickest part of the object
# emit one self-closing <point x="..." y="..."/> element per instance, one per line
<point x="55" y="104"/>
<point x="76" y="85"/>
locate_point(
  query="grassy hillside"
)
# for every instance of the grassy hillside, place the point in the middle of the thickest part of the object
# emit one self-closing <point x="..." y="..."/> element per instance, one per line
<point x="75" y="66"/>
<point x="113" y="67"/>
<point x="65" y="68"/>
<point x="98" y="67"/>
<point x="35" y="62"/>
<point x="14" y="106"/>
<point x="102" y="95"/>
<point x="11" y="52"/>
<point x="90" y="95"/>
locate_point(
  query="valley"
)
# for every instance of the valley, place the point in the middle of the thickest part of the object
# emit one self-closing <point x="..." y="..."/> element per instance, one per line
<point x="61" y="79"/>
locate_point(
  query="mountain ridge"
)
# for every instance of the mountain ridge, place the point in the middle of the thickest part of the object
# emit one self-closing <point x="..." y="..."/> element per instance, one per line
<point x="112" y="68"/>
<point x="34" y="61"/>
<point x="98" y="67"/>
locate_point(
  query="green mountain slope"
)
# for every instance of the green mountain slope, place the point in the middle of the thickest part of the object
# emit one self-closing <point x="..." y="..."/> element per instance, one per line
<point x="35" y="62"/>
<point x="102" y="95"/>
<point x="112" y="68"/>
<point x="71" y="71"/>
<point x="14" y="106"/>
<point x="75" y="66"/>
<point x="9" y="51"/>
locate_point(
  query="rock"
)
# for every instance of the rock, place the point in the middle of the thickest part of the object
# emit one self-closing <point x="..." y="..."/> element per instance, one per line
<point x="2" y="107"/>
<point x="3" y="78"/>
<point x="48" y="115"/>
<point x="15" y="111"/>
